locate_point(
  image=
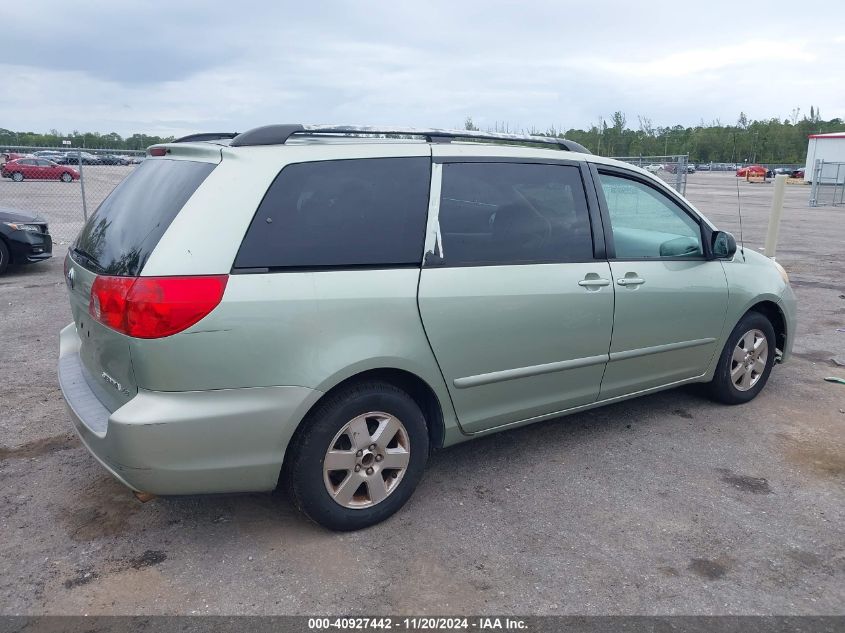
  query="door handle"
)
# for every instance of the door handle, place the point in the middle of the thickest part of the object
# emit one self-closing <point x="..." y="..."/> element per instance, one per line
<point x="630" y="281"/>
<point x="594" y="283"/>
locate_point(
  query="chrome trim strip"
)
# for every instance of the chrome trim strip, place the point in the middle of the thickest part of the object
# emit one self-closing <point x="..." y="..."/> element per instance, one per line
<point x="527" y="372"/>
<point x="659" y="349"/>
<point x="576" y="363"/>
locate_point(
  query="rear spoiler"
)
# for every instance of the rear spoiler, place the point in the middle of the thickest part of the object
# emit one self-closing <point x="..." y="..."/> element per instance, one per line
<point x="199" y="151"/>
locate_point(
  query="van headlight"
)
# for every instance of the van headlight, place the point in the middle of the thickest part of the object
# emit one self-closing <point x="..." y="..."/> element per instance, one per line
<point x="782" y="272"/>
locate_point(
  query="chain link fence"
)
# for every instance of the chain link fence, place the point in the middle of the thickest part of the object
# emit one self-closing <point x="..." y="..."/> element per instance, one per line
<point x="61" y="185"/>
<point x="828" y="184"/>
<point x="672" y="169"/>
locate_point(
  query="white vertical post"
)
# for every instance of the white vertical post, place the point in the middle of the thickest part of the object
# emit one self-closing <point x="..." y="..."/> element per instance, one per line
<point x="774" y="218"/>
<point x="82" y="188"/>
<point x="814" y="184"/>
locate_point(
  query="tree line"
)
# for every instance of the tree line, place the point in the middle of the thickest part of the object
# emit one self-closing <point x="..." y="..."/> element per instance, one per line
<point x="90" y="140"/>
<point x="769" y="141"/>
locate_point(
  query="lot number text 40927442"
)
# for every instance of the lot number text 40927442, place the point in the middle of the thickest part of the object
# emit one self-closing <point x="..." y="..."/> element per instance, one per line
<point x="418" y="623"/>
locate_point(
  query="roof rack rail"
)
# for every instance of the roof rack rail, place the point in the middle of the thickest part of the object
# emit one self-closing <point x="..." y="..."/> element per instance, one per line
<point x="279" y="134"/>
<point x="205" y="136"/>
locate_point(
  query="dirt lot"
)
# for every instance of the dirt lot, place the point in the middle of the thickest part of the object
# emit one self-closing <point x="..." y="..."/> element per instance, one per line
<point x="664" y="505"/>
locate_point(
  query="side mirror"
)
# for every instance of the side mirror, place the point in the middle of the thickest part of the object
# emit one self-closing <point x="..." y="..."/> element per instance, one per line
<point x="680" y="247"/>
<point x="723" y="245"/>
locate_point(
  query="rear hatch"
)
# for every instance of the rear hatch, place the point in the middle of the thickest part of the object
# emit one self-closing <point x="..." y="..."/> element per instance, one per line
<point x="116" y="242"/>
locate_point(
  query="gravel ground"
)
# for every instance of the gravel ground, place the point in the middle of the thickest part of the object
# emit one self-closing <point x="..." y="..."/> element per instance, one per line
<point x="669" y="504"/>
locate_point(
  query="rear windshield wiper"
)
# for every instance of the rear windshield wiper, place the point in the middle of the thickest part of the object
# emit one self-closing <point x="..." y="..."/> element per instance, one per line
<point x="87" y="259"/>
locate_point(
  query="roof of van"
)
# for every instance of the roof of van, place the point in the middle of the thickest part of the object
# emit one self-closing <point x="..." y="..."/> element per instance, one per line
<point x="281" y="133"/>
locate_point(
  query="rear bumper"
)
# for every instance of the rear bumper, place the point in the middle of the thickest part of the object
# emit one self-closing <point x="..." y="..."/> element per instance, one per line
<point x="166" y="443"/>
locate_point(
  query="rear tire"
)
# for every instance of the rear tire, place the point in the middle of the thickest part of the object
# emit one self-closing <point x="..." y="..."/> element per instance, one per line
<point x="746" y="361"/>
<point x="4" y="257"/>
<point x="17" y="176"/>
<point x="377" y="437"/>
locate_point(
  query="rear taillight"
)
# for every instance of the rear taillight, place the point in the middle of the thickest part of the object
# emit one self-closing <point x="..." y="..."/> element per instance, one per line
<point x="154" y="307"/>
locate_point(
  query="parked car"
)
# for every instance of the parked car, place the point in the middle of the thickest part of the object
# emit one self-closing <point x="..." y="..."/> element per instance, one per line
<point x="7" y="156"/>
<point x="111" y="159"/>
<point x="703" y="167"/>
<point x="753" y="171"/>
<point x="24" y="239"/>
<point x="248" y="312"/>
<point x="797" y="173"/>
<point x="672" y="168"/>
<point x="73" y="158"/>
<point x="37" y="169"/>
<point x="653" y="168"/>
<point x="48" y="154"/>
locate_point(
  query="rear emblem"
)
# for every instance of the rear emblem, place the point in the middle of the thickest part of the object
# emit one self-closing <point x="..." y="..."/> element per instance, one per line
<point x="70" y="277"/>
<point x="111" y="381"/>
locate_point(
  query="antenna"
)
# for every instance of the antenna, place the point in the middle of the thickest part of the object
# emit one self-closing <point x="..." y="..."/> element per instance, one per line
<point x="738" y="202"/>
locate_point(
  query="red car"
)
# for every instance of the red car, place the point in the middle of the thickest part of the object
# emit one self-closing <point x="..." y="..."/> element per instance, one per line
<point x="7" y="156"/>
<point x="752" y="170"/>
<point x="37" y="169"/>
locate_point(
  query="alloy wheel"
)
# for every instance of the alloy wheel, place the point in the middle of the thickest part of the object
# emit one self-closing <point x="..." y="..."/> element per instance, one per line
<point x="748" y="362"/>
<point x="366" y="460"/>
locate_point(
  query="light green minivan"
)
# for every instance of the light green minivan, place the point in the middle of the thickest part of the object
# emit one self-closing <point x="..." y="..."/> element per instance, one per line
<point x="324" y="306"/>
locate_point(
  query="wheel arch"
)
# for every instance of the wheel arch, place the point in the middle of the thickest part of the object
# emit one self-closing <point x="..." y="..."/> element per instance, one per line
<point x="773" y="312"/>
<point x="417" y="389"/>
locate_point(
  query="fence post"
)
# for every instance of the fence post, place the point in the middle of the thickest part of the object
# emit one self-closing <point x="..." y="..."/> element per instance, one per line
<point x="814" y="189"/>
<point x="680" y="172"/>
<point x="82" y="186"/>
<point x="774" y="218"/>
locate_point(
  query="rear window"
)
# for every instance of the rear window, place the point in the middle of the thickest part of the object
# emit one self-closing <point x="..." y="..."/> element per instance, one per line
<point x="341" y="213"/>
<point x="120" y="236"/>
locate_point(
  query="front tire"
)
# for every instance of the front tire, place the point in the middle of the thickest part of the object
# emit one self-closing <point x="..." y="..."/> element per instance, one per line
<point x="358" y="456"/>
<point x="66" y="177"/>
<point x="4" y="257"/>
<point x="746" y="361"/>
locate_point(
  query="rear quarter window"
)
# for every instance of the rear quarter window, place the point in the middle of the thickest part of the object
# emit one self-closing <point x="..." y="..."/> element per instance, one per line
<point x="341" y="213"/>
<point x="121" y="235"/>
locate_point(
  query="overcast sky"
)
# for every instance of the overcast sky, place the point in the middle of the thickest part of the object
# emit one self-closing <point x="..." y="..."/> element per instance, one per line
<point x="183" y="66"/>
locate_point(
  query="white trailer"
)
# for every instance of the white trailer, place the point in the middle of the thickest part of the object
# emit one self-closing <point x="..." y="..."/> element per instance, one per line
<point x="827" y="147"/>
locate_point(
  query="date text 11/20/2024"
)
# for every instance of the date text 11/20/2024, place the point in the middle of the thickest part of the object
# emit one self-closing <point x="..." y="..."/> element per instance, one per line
<point x="418" y="624"/>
